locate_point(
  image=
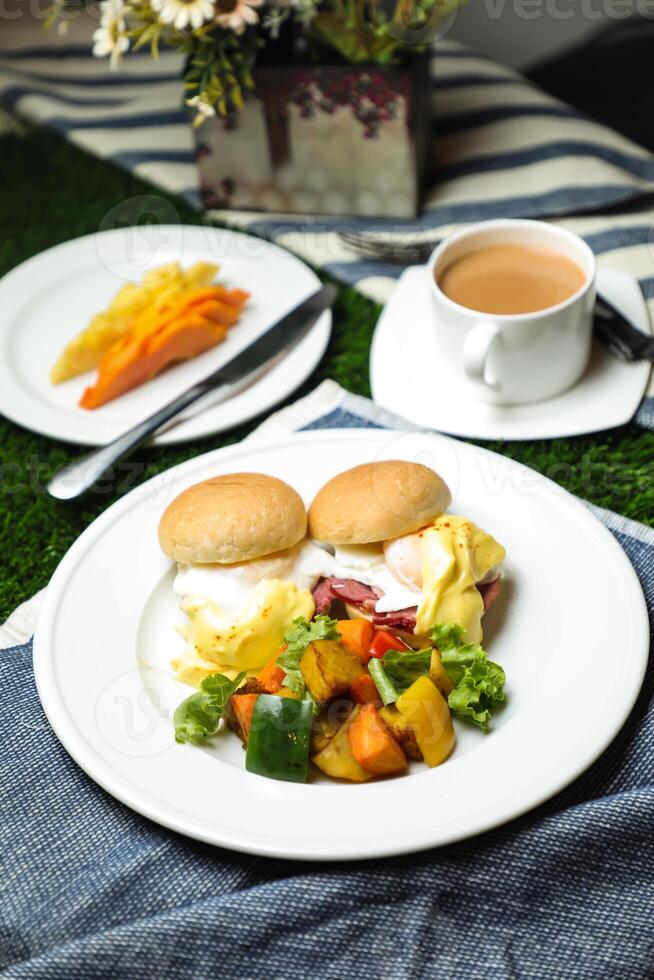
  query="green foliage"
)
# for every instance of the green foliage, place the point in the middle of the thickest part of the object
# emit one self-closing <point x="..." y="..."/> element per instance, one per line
<point x="478" y="681"/>
<point x="41" y="206"/>
<point x="220" y="70"/>
<point x="150" y="36"/>
<point x="385" y="687"/>
<point x="198" y="717"/>
<point x="362" y="33"/>
<point x="302" y="634"/>
<point x="220" y="61"/>
<point x="403" y="667"/>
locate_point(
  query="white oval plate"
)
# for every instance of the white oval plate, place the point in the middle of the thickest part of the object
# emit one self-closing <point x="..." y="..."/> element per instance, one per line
<point x="50" y="298"/>
<point x="571" y="615"/>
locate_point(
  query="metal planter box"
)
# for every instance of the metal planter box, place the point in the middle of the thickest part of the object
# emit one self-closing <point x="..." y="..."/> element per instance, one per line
<point x="324" y="139"/>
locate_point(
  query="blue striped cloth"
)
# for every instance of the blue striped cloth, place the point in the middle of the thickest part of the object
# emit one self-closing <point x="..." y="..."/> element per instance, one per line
<point x="91" y="891"/>
<point x="500" y="148"/>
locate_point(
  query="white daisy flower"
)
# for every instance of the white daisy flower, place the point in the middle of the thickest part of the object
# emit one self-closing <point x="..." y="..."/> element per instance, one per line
<point x="111" y="38"/>
<point x="184" y="13"/>
<point x="236" y="14"/>
<point x="204" y="107"/>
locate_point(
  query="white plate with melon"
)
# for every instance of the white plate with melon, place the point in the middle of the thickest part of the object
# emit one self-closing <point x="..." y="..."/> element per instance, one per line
<point x="52" y="298"/>
<point x="569" y="628"/>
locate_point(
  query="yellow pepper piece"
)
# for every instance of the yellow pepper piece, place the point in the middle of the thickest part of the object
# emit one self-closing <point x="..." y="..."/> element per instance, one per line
<point x="425" y="709"/>
<point x="439" y="675"/>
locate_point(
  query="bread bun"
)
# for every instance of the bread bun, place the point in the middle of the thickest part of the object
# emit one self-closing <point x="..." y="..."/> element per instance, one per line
<point x="237" y="517"/>
<point x="376" y="502"/>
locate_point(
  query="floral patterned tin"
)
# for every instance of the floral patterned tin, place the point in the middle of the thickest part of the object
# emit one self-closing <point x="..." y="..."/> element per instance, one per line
<point x="324" y="139"/>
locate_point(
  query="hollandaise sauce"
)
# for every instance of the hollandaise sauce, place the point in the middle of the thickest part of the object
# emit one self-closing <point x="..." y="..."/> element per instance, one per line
<point x="456" y="555"/>
<point x="228" y="641"/>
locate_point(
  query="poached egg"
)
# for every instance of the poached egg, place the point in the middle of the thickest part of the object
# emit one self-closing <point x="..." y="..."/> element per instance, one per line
<point x="238" y="613"/>
<point x="435" y="569"/>
<point x="444" y="563"/>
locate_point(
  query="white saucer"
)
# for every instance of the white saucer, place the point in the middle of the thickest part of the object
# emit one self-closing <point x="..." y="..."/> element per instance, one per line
<point x="408" y="376"/>
<point x="48" y="299"/>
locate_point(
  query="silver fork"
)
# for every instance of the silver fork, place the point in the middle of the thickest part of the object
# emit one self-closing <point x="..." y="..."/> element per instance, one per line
<point x="398" y="252"/>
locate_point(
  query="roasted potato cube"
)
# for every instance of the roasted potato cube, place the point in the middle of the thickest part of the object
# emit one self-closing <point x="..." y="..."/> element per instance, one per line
<point x="324" y="729"/>
<point x="328" y="669"/>
<point x="402" y="731"/>
<point x="337" y="759"/>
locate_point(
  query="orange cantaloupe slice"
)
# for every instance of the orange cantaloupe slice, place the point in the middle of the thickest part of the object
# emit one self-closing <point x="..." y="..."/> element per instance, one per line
<point x="179" y="331"/>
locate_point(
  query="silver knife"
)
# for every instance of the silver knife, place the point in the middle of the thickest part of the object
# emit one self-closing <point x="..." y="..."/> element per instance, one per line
<point x="79" y="476"/>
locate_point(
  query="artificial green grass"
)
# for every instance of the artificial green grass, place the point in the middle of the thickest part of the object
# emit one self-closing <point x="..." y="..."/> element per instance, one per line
<point x="50" y="192"/>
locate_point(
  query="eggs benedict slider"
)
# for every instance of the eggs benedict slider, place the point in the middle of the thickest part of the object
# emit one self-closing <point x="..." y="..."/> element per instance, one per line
<point x="402" y="560"/>
<point x="245" y="570"/>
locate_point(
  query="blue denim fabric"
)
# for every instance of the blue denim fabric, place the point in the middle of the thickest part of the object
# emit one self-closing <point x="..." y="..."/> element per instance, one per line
<point x="645" y="414"/>
<point x="90" y="890"/>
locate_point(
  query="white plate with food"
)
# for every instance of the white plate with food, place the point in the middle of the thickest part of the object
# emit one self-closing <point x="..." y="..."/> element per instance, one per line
<point x="380" y="767"/>
<point x="93" y="319"/>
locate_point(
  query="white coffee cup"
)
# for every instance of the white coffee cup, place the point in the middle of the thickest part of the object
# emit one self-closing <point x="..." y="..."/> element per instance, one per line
<point x="517" y="358"/>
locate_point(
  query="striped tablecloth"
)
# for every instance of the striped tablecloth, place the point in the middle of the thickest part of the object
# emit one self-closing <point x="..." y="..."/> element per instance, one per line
<point x="500" y="148"/>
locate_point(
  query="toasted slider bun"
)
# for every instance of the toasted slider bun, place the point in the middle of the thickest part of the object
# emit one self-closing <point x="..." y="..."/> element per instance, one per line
<point x="376" y="502"/>
<point x="232" y="518"/>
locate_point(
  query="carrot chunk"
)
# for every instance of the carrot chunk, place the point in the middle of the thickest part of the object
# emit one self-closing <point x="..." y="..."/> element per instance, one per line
<point x="373" y="746"/>
<point x="243" y="707"/>
<point x="271" y="677"/>
<point x="364" y="691"/>
<point x="356" y="636"/>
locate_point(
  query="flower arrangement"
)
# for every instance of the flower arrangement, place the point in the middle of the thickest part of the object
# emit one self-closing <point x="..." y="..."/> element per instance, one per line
<point x="223" y="38"/>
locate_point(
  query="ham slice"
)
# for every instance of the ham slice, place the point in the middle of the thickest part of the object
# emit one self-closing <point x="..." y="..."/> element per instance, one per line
<point x="354" y="593"/>
<point x="489" y="592"/>
<point x="322" y="596"/>
<point x="399" y="619"/>
<point x="357" y="594"/>
<point x="328" y="590"/>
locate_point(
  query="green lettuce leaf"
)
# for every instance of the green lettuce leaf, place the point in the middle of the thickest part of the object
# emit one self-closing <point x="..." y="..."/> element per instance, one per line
<point x="403" y="667"/>
<point x="385" y="688"/>
<point x="297" y="640"/>
<point x="447" y="635"/>
<point x="478" y="681"/>
<point x="478" y="692"/>
<point x="294" y="681"/>
<point x="305" y="632"/>
<point x="198" y="717"/>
